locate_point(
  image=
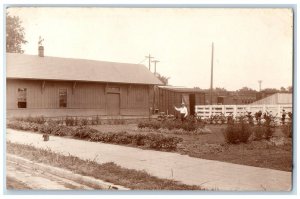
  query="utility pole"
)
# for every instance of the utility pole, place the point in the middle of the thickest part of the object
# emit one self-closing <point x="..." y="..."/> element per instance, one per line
<point x="155" y="61"/>
<point x="149" y="57"/>
<point x="211" y="73"/>
<point x="259" y="81"/>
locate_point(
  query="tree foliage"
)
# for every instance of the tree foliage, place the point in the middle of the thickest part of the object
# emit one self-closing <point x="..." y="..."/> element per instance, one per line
<point x="246" y="89"/>
<point x="271" y="90"/>
<point x="163" y="79"/>
<point x="290" y="89"/>
<point x="219" y="89"/>
<point x="15" y="35"/>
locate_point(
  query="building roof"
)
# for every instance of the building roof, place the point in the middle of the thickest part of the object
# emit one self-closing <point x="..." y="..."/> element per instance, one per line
<point x="21" y="66"/>
<point x="182" y="89"/>
<point x="277" y="98"/>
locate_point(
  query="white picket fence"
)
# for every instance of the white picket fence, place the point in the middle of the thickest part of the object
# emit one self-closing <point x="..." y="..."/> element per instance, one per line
<point x="205" y="111"/>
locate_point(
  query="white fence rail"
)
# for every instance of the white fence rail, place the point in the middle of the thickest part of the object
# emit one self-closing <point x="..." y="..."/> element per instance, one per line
<point x="205" y="111"/>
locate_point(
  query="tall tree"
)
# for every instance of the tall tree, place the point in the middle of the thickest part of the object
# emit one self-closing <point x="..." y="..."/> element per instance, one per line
<point x="246" y="89"/>
<point x="282" y="89"/>
<point x="15" y="35"/>
<point x="163" y="79"/>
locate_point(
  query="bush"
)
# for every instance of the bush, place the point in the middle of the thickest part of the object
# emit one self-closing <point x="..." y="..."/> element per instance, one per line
<point x="235" y="133"/>
<point x="142" y="125"/>
<point x="151" y="140"/>
<point x="231" y="134"/>
<point x="84" y="122"/>
<point x="96" y="120"/>
<point x="21" y="125"/>
<point x="62" y="131"/>
<point x="259" y="132"/>
<point x="287" y="130"/>
<point x="70" y="121"/>
<point x="152" y="124"/>
<point x="139" y="139"/>
<point x="118" y="121"/>
<point x="122" y="138"/>
<point x="245" y="132"/>
<point x="37" y="120"/>
<point x="170" y="124"/>
<point x="76" y="121"/>
<point x="189" y="126"/>
<point x="45" y="129"/>
<point x="162" y="142"/>
<point x="84" y="132"/>
<point x="97" y="137"/>
<point x="269" y="125"/>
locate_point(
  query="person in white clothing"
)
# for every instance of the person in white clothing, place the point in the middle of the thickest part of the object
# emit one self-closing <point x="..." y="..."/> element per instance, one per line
<point x="183" y="111"/>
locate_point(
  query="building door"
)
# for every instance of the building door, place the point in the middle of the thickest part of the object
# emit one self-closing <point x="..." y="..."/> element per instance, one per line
<point x="220" y="100"/>
<point x="192" y="104"/>
<point x="113" y="104"/>
<point x="186" y="100"/>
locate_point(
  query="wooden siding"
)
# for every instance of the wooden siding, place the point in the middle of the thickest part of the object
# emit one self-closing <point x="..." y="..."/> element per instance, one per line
<point x="87" y="95"/>
<point x="81" y="97"/>
<point x="168" y="99"/>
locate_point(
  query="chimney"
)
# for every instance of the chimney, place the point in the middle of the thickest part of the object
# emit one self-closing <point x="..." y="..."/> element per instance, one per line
<point x="41" y="51"/>
<point x="41" y="47"/>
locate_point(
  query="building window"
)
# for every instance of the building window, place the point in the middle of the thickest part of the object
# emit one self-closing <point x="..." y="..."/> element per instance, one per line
<point x="22" y="100"/>
<point x="113" y="89"/>
<point x="62" y="98"/>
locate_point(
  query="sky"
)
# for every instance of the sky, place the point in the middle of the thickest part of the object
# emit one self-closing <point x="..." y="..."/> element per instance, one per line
<point x="249" y="44"/>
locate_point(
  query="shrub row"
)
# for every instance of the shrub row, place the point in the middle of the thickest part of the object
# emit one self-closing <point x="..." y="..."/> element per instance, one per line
<point x="241" y="130"/>
<point x="189" y="125"/>
<point x="50" y="128"/>
<point x="153" y="141"/>
<point x="74" y="121"/>
<point x="37" y="120"/>
<point x="22" y="125"/>
<point x="70" y="121"/>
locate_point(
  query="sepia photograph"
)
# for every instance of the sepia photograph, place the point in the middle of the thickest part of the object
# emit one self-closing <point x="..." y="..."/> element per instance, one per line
<point x="149" y="98"/>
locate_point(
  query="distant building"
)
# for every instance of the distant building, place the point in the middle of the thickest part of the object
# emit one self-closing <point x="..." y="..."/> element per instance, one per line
<point x="52" y="86"/>
<point x="230" y="97"/>
<point x="277" y="98"/>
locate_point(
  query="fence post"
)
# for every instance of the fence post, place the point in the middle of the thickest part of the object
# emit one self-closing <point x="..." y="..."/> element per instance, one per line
<point x="248" y="108"/>
<point x="264" y="108"/>
<point x="279" y="109"/>
<point x="234" y="110"/>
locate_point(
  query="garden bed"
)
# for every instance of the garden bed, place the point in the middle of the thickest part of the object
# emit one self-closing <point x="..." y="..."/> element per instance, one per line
<point x="207" y="144"/>
<point x="148" y="141"/>
<point x="211" y="144"/>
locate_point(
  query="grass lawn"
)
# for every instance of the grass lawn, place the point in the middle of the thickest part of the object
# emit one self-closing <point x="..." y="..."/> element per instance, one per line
<point x="109" y="172"/>
<point x="12" y="183"/>
<point x="213" y="146"/>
